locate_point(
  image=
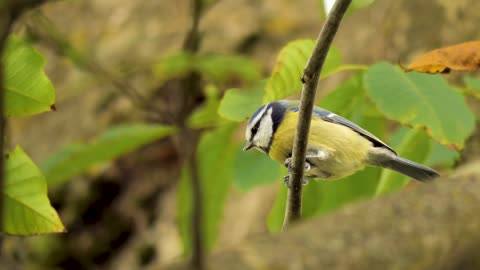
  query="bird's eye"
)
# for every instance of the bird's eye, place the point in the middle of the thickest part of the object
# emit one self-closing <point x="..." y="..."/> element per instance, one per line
<point x="254" y="130"/>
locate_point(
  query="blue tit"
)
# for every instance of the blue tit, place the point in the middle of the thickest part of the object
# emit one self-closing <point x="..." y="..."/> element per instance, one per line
<point x="336" y="147"/>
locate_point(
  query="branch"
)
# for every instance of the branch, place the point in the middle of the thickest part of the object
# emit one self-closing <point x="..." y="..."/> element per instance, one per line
<point x="434" y="226"/>
<point x="191" y="88"/>
<point x="310" y="77"/>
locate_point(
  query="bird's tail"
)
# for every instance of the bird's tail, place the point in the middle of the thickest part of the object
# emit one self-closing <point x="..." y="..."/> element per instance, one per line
<point x="411" y="169"/>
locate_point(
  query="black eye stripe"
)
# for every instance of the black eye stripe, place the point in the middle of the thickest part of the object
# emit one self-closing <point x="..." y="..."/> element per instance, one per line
<point x="255" y="128"/>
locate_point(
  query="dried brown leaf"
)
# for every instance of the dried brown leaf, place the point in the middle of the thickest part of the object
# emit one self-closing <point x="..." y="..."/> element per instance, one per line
<point x="462" y="57"/>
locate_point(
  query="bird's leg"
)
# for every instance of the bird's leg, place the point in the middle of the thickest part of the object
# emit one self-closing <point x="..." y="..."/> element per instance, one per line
<point x="312" y="154"/>
<point x="288" y="164"/>
<point x="286" y="180"/>
<point x="317" y="153"/>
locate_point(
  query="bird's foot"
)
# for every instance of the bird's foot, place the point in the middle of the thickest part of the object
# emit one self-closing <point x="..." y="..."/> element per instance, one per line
<point x="288" y="164"/>
<point x="286" y="181"/>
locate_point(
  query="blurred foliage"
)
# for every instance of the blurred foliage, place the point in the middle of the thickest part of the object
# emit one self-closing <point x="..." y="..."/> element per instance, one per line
<point x="215" y="162"/>
<point x="429" y="118"/>
<point x="266" y="170"/>
<point x="206" y="115"/>
<point x="27" y="208"/>
<point x="239" y="104"/>
<point x="215" y="68"/>
<point x="473" y="86"/>
<point x="27" y="89"/>
<point x="76" y="158"/>
<point x="367" y="98"/>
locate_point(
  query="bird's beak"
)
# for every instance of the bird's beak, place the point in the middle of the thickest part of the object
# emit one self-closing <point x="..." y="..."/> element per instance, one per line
<point x="248" y="145"/>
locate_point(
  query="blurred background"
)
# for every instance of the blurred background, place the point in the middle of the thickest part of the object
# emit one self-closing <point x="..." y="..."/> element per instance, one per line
<point x="105" y="59"/>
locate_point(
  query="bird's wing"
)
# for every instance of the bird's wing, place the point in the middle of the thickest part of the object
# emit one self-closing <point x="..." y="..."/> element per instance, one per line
<point x="333" y="118"/>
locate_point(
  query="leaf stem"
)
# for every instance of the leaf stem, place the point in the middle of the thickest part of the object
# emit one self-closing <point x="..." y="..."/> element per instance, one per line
<point x="344" y="68"/>
<point x="310" y="78"/>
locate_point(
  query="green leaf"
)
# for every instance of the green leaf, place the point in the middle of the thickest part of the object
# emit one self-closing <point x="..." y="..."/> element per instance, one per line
<point x="411" y="144"/>
<point x="221" y="68"/>
<point x="421" y="100"/>
<point x="27" y="210"/>
<point x="253" y="168"/>
<point x="206" y="116"/>
<point x="342" y="68"/>
<point x="214" y="158"/>
<point x="216" y="67"/>
<point x="350" y="100"/>
<point x="77" y="158"/>
<point x="473" y="86"/>
<point x="326" y="196"/>
<point x="441" y="156"/>
<point x="27" y="89"/>
<point x="292" y="59"/>
<point x="358" y="4"/>
<point x="240" y="104"/>
<point x="473" y="83"/>
<point x="173" y="66"/>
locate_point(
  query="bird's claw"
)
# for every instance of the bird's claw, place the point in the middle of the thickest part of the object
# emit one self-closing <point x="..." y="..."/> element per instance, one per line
<point x="288" y="164"/>
<point x="286" y="181"/>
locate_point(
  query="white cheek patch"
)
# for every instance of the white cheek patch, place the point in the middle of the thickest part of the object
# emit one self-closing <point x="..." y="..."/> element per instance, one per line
<point x="253" y="122"/>
<point x="265" y="130"/>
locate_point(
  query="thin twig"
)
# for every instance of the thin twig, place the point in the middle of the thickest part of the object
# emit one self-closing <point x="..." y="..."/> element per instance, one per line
<point x="310" y="77"/>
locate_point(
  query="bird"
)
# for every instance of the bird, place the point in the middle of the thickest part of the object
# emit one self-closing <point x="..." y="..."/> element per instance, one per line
<point x="336" y="147"/>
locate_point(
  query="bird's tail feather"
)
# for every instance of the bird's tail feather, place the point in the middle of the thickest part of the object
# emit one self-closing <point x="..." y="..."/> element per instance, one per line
<point x="411" y="169"/>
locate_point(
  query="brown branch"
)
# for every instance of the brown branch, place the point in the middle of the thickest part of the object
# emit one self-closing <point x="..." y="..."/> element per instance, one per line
<point x="192" y="88"/>
<point x="435" y="226"/>
<point x="310" y="77"/>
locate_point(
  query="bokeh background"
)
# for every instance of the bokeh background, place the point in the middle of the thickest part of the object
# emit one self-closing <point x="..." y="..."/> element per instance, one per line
<point x="123" y="214"/>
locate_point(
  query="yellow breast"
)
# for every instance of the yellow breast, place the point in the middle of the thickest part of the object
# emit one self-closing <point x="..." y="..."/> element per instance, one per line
<point x="349" y="150"/>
